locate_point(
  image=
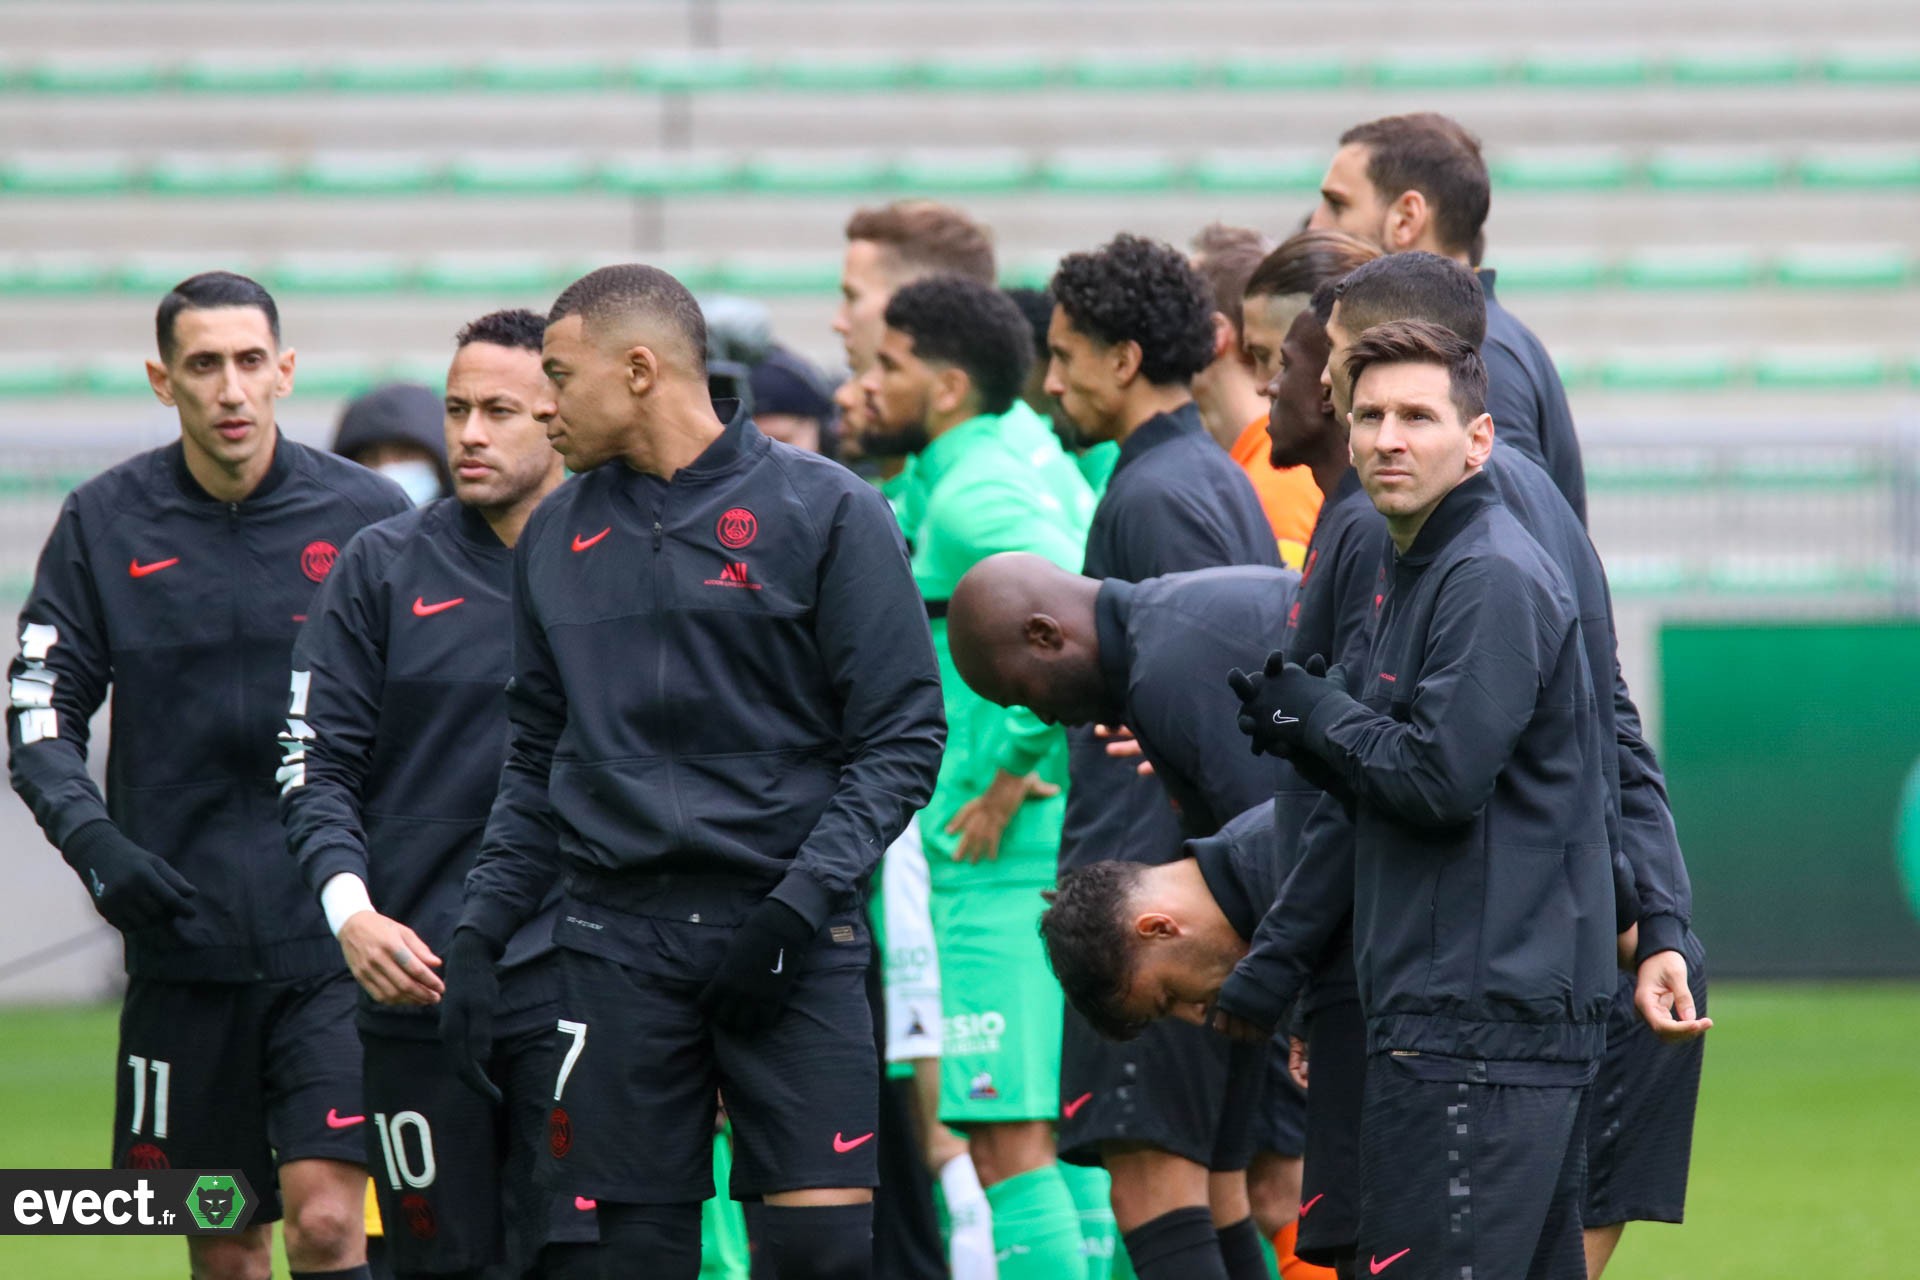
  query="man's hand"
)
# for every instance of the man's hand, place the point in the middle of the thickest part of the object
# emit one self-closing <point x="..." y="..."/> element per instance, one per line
<point x="1297" y="1060"/>
<point x="1122" y="745"/>
<point x="1664" y="999"/>
<point x="466" y="1014"/>
<point x="982" y="820"/>
<point x="131" y="888"/>
<point x="389" y="961"/>
<point x="756" y="976"/>
<point x="1276" y="701"/>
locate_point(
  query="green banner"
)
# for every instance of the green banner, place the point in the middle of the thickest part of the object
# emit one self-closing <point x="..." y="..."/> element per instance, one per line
<point x="1793" y="755"/>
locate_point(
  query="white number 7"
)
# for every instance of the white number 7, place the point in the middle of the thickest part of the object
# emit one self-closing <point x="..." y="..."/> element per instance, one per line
<point x="578" y="1030"/>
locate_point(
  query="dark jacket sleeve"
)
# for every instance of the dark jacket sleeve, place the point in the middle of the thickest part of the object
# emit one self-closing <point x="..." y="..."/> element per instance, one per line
<point x="1477" y="691"/>
<point x="870" y="626"/>
<point x="1356" y="569"/>
<point x="1512" y="402"/>
<point x="1647" y="833"/>
<point x="519" y="856"/>
<point x="1311" y="910"/>
<point x="339" y="671"/>
<point x="57" y="681"/>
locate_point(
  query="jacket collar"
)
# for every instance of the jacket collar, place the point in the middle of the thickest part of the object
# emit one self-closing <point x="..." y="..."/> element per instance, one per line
<point x="950" y="446"/>
<point x="1158" y="430"/>
<point x="277" y="471"/>
<point x="1456" y="511"/>
<point x="1111" y="609"/>
<point x="1216" y="868"/>
<point x="1486" y="277"/>
<point x="740" y="439"/>
<point x="474" y="527"/>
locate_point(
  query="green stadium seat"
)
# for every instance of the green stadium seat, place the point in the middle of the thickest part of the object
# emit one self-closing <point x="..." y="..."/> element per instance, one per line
<point x="1803" y="469"/>
<point x="1714" y="169"/>
<point x="1577" y="69"/>
<point x="250" y="72"/>
<point x="777" y="277"/>
<point x="964" y="173"/>
<point x="1559" y="270"/>
<point x="338" y="273"/>
<point x="820" y="174"/>
<point x="74" y="174"/>
<point x="695" y="72"/>
<point x="1562" y="169"/>
<point x="530" y="173"/>
<point x="543" y="74"/>
<point x="1098" y="173"/>
<point x="1873" y="66"/>
<point x="660" y="175"/>
<point x="1847" y="267"/>
<point x="516" y="275"/>
<point x="395" y="74"/>
<point x="843" y="73"/>
<point x="330" y="375"/>
<point x="1782" y="575"/>
<point x="1283" y="69"/>
<point x="1436" y="70"/>
<point x="976" y="72"/>
<point x="1296" y="173"/>
<point x="1576" y="371"/>
<point x="1734" y="67"/>
<point x="370" y="174"/>
<point x="1839" y="369"/>
<point x="150" y="275"/>
<point x="1652" y="471"/>
<point x="33" y="375"/>
<point x="429" y="371"/>
<point x="1692" y="267"/>
<point x="37" y="275"/>
<point x="1647" y="575"/>
<point x="1028" y="272"/>
<point x="94" y="73"/>
<point x="116" y="376"/>
<point x="1878" y="169"/>
<point x="218" y="176"/>
<point x="1667" y="371"/>
<point x="1135" y="72"/>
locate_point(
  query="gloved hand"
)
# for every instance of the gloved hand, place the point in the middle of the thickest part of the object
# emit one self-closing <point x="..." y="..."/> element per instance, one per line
<point x="756" y="976"/>
<point x="132" y="888"/>
<point x="466" y="1010"/>
<point x="1276" y="702"/>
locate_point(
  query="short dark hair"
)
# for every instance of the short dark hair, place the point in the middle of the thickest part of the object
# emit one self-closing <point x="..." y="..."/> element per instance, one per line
<point x="1423" y="342"/>
<point x="206" y="291"/>
<point x="1322" y="302"/>
<point x="1132" y="289"/>
<point x="972" y="326"/>
<point x="1307" y="260"/>
<point x="1037" y="306"/>
<point x="1089" y="945"/>
<point x="516" y="329"/>
<point x="632" y="288"/>
<point x="928" y="238"/>
<point x="1432" y="154"/>
<point x="1225" y="256"/>
<point x="1414" y="286"/>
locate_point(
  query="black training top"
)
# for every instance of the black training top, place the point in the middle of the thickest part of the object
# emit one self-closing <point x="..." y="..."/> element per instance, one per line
<point x="1528" y="402"/>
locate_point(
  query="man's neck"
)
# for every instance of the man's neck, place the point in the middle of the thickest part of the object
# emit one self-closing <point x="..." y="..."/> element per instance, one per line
<point x="1330" y="465"/>
<point x="1148" y="402"/>
<point x="679" y="433"/>
<point x="507" y="522"/>
<point x="225" y="484"/>
<point x="1228" y="400"/>
<point x="939" y="424"/>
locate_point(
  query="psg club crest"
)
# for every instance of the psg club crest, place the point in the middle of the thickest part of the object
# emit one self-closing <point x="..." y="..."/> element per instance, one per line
<point x="317" y="560"/>
<point x="736" y="528"/>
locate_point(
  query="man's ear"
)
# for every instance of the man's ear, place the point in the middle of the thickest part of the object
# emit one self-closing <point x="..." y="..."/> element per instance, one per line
<point x="1225" y="340"/>
<point x="1044" y="632"/>
<point x="283" y="386"/>
<point x="951" y="387"/>
<point x="643" y="370"/>
<point x="1407" y="219"/>
<point x="161" y="382"/>
<point x="1124" y="359"/>
<point x="1480" y="440"/>
<point x="1156" y="926"/>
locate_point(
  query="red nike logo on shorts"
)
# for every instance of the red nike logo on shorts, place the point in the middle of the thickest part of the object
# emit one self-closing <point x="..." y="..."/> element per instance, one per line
<point x="337" y="1121"/>
<point x="581" y="544"/>
<point x="421" y="609"/>
<point x="1307" y="1208"/>
<point x="585" y="1205"/>
<point x="1377" y="1267"/>
<point x="843" y="1146"/>
<point x="138" y="570"/>
<point x="1070" y="1108"/>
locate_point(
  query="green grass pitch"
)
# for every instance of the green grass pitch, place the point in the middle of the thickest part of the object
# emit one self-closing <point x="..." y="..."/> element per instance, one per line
<point x="1806" y="1160"/>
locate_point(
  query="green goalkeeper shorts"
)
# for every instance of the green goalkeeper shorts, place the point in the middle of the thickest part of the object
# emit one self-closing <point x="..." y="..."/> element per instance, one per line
<point x="1001" y="1008"/>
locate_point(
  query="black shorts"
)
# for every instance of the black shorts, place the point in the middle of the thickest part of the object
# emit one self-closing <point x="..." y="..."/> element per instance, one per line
<point x="1176" y="1087"/>
<point x="1330" y="1179"/>
<point x="633" y="1105"/>
<point x="248" y="1076"/>
<point x="453" y="1174"/>
<point x="1640" y="1135"/>
<point x="1469" y="1179"/>
<point x="1281" y="1124"/>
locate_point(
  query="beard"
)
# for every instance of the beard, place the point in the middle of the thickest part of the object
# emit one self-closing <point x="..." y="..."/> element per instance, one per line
<point x="894" y="442"/>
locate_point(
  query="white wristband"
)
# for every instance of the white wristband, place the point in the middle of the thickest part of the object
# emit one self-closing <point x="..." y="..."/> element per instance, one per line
<point x="343" y="897"/>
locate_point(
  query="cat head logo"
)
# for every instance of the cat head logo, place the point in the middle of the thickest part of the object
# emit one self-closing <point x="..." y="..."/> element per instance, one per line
<point x="217" y="1203"/>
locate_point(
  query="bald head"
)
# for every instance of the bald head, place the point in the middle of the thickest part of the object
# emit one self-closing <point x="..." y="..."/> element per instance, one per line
<point x="1022" y="634"/>
<point x="631" y="304"/>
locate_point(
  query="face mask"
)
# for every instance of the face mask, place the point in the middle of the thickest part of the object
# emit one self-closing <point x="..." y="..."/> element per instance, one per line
<point x="420" y="480"/>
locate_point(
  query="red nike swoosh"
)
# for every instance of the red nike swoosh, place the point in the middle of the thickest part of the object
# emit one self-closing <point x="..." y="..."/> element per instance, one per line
<point x="1378" y="1267"/>
<point x="1071" y="1107"/>
<point x="139" y="570"/>
<point x="1307" y="1208"/>
<point x="421" y="609"/>
<point x="337" y="1121"/>
<point x="843" y="1146"/>
<point x="581" y="544"/>
<point x="585" y="1205"/>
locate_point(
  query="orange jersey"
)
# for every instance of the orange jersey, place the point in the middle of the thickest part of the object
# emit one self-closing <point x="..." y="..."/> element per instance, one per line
<point x="1289" y="497"/>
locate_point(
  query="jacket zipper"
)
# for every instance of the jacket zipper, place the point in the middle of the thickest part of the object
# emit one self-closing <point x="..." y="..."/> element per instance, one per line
<point x="237" y="547"/>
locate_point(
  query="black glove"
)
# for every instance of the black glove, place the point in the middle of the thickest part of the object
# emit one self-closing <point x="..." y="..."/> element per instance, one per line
<point x="750" y="991"/>
<point x="466" y="1010"/>
<point x="1276" y="702"/>
<point x="132" y="888"/>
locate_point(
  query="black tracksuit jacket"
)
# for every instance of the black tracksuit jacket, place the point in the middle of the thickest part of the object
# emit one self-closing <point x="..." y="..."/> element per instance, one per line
<point x="1528" y="402"/>
<point x="187" y="607"/>
<point x="1176" y="502"/>
<point x="392" y="747"/>
<point x="724" y="682"/>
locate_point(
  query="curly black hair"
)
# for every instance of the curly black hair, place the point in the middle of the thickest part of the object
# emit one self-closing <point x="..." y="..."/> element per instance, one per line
<point x="1137" y="290"/>
<point x="516" y="328"/>
<point x="1085" y="931"/>
<point x="971" y="326"/>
